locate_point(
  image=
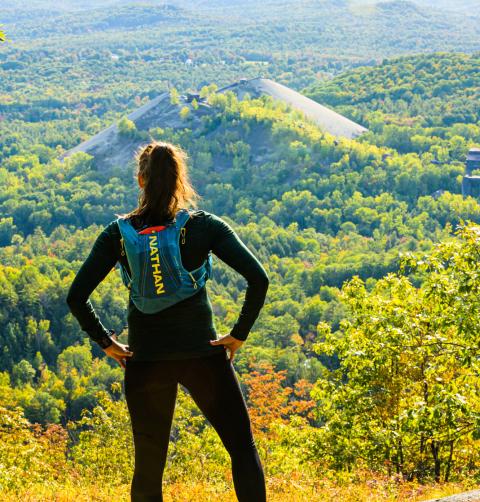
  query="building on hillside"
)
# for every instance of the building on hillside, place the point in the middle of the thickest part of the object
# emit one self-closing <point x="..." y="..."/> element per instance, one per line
<point x="473" y="160"/>
<point x="471" y="183"/>
<point x="190" y="96"/>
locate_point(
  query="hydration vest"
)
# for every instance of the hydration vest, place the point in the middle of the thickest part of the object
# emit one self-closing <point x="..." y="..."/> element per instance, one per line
<point x="158" y="278"/>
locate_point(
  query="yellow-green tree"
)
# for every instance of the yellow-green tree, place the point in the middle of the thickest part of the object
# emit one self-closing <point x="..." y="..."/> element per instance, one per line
<point x="174" y="96"/>
<point x="184" y="112"/>
<point x="404" y="396"/>
<point x="127" y="127"/>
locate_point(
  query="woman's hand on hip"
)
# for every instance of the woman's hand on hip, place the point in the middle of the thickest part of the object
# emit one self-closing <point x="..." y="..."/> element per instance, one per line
<point x="118" y="351"/>
<point x="231" y="344"/>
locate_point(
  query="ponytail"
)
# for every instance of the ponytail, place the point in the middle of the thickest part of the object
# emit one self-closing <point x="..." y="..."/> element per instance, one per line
<point x="166" y="185"/>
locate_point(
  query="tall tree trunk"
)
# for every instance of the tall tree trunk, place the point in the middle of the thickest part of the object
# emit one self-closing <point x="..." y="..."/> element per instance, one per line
<point x="400" y="450"/>
<point x="449" y="462"/>
<point x="422" y="463"/>
<point x="436" y="460"/>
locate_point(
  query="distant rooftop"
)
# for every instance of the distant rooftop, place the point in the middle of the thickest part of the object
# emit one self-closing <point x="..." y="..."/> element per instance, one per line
<point x="474" y="154"/>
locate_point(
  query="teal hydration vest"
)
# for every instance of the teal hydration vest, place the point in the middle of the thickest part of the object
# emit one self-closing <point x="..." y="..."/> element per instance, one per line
<point x="158" y="278"/>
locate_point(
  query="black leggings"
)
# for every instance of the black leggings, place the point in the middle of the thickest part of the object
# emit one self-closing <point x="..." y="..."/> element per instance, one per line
<point x="151" y="391"/>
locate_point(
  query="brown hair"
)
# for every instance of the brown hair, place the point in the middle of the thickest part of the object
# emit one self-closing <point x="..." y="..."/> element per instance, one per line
<point x="167" y="187"/>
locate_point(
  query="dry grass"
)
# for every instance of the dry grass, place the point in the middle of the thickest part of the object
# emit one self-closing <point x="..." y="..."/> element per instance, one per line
<point x="293" y="489"/>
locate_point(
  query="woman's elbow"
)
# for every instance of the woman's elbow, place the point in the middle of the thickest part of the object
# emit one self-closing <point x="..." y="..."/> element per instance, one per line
<point x="264" y="281"/>
<point x="258" y="281"/>
<point x="73" y="300"/>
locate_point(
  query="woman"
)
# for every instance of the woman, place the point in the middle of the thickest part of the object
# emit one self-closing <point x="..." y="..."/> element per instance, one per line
<point x="179" y="344"/>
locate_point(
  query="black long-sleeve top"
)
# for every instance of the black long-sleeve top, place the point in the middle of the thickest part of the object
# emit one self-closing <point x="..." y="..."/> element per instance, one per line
<point x="184" y="329"/>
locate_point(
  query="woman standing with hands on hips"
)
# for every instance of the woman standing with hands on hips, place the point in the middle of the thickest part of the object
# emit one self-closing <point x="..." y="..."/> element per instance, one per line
<point x="164" y="250"/>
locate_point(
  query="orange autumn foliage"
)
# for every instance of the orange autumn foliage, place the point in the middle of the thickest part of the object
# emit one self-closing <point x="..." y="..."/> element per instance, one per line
<point x="270" y="401"/>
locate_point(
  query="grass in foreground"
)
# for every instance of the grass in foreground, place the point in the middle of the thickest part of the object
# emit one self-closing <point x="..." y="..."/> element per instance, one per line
<point x="372" y="489"/>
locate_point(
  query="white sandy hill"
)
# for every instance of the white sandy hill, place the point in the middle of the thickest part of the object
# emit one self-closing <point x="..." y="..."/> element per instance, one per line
<point x="328" y="120"/>
<point x="96" y="144"/>
<point x="110" y="149"/>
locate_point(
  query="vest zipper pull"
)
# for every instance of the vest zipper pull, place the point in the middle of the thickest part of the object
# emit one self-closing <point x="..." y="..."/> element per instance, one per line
<point x="182" y="232"/>
<point x="194" y="281"/>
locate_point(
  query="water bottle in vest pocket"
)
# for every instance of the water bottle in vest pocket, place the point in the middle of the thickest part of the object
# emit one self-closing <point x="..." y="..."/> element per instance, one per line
<point x="158" y="278"/>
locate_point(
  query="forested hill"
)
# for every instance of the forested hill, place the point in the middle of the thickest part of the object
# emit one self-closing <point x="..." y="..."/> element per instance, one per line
<point x="347" y="30"/>
<point x="416" y="103"/>
<point x="435" y="90"/>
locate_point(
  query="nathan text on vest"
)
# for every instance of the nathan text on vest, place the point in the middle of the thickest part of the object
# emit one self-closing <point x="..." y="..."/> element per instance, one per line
<point x="155" y="261"/>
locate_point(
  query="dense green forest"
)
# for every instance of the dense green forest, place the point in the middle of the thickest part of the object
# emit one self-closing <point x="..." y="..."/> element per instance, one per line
<point x="369" y="333"/>
<point x="412" y="104"/>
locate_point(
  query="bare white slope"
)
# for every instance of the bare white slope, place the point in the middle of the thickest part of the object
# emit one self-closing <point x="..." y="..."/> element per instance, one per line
<point x="328" y="120"/>
<point x="108" y="135"/>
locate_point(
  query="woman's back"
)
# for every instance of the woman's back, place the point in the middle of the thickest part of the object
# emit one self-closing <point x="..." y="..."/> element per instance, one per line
<point x="184" y="329"/>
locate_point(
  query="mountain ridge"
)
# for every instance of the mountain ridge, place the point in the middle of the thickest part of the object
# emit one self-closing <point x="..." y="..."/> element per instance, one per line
<point x="160" y="112"/>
